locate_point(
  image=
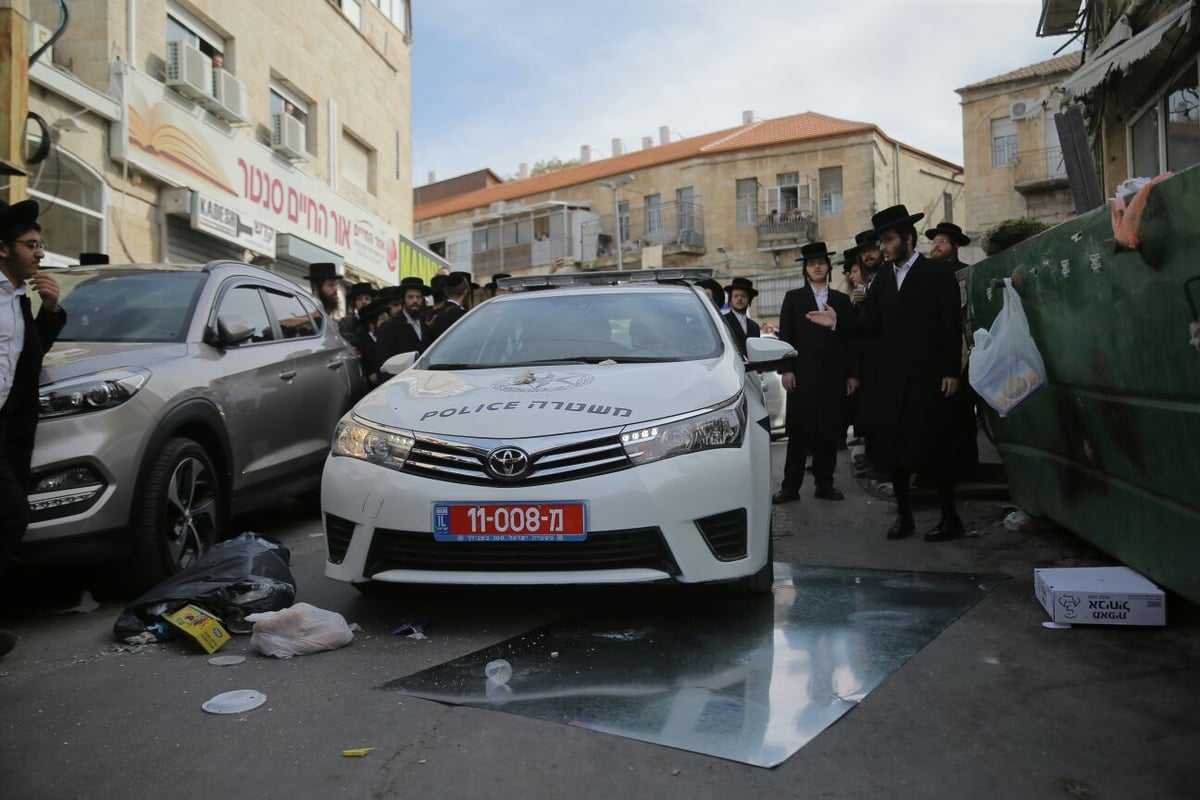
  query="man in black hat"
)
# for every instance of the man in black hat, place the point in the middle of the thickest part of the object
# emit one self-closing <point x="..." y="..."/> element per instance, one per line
<point x="23" y="343"/>
<point x="869" y="253"/>
<point x="457" y="289"/>
<point x="406" y="332"/>
<point x="816" y="379"/>
<point x="913" y="307"/>
<point x="947" y="238"/>
<point x="358" y="296"/>
<point x="325" y="280"/>
<point x="493" y="288"/>
<point x="714" y="291"/>
<point x="740" y="292"/>
<point x="366" y="342"/>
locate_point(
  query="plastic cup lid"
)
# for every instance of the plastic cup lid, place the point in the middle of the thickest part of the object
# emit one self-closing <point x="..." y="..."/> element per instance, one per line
<point x="234" y="702"/>
<point x="226" y="661"/>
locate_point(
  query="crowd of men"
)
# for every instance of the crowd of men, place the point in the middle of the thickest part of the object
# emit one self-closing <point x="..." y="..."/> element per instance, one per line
<point x="889" y="358"/>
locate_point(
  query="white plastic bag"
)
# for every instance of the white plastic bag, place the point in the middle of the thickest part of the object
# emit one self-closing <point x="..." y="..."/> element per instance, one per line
<point x="1006" y="367"/>
<point x="298" y="630"/>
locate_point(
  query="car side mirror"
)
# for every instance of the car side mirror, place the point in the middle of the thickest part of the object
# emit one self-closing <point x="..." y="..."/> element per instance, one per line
<point x="767" y="354"/>
<point x="398" y="363"/>
<point x="232" y="330"/>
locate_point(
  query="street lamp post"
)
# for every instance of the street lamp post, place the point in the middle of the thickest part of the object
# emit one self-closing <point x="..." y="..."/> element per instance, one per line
<point x="615" y="184"/>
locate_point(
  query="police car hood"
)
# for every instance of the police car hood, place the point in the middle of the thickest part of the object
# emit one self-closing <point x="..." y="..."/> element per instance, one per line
<point x="546" y="400"/>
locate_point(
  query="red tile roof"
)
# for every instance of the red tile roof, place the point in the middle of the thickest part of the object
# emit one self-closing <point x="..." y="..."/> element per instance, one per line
<point x="796" y="128"/>
<point x="1068" y="62"/>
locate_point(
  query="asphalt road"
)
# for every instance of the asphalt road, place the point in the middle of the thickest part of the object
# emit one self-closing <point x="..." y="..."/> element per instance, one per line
<point x="997" y="706"/>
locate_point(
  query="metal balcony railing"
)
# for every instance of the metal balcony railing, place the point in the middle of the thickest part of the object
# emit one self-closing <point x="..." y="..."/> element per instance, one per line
<point x="678" y="227"/>
<point x="787" y="230"/>
<point x="540" y="253"/>
<point x="1033" y="167"/>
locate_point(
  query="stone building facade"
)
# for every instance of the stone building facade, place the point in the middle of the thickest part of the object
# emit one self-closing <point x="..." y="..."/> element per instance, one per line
<point x="740" y="200"/>
<point x="184" y="131"/>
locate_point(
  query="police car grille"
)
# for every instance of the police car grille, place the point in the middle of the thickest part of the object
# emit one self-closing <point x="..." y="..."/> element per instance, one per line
<point x="637" y="548"/>
<point x="462" y="462"/>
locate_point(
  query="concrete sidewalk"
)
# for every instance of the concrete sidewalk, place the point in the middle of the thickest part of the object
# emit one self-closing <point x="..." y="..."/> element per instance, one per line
<point x="998" y="705"/>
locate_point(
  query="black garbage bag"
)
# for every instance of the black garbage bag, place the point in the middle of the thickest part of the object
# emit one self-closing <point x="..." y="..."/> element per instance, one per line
<point x="239" y="576"/>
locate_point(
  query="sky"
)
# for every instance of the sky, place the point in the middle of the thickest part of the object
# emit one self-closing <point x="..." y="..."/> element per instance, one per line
<point x="501" y="82"/>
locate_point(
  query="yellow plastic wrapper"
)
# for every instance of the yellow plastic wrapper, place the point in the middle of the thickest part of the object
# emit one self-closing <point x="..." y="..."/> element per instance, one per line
<point x="356" y="752"/>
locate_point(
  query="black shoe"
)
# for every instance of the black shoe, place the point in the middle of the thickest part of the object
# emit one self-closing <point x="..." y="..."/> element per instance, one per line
<point x="785" y="496"/>
<point x="8" y="640"/>
<point x="945" y="530"/>
<point x="828" y="493"/>
<point x="902" y="527"/>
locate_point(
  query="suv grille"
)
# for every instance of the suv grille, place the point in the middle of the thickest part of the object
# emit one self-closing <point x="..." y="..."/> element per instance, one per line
<point x="639" y="548"/>
<point x="725" y="534"/>
<point x="337" y="537"/>
<point x="552" y="459"/>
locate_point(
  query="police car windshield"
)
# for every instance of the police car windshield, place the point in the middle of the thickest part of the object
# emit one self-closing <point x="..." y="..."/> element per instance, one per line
<point x="557" y="327"/>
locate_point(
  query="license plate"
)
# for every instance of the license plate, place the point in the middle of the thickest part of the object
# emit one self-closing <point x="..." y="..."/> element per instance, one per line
<point x="510" y="522"/>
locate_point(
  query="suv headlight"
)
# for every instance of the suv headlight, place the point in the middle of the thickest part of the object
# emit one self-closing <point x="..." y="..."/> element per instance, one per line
<point x="709" y="430"/>
<point x="93" y="392"/>
<point x="386" y="448"/>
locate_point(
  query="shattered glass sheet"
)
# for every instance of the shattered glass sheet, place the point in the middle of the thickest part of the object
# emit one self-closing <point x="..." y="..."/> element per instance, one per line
<point x="743" y="678"/>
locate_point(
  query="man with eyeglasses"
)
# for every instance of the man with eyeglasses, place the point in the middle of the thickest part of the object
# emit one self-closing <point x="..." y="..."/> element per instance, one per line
<point x="913" y="308"/>
<point x="23" y="342"/>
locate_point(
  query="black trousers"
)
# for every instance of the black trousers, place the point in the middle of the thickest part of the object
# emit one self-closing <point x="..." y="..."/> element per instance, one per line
<point x="824" y="450"/>
<point x="14" y="504"/>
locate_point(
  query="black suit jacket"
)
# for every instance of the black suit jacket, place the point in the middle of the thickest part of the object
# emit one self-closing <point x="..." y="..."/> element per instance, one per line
<point x="740" y="336"/>
<point x="450" y="314"/>
<point x="919" y="343"/>
<point x="396" y="336"/>
<point x="817" y="406"/>
<point x="19" y="416"/>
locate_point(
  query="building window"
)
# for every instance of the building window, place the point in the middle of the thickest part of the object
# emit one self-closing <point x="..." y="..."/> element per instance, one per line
<point x="947" y="207"/>
<point x="746" y="191"/>
<point x="398" y="11"/>
<point x="623" y="216"/>
<point x="357" y="163"/>
<point x="1143" y="144"/>
<point x="1183" y="121"/>
<point x="73" y="199"/>
<point x="352" y="10"/>
<point x="830" y="179"/>
<point x="286" y="100"/>
<point x="685" y="208"/>
<point x="1004" y="142"/>
<point x="653" y="212"/>
<point x="453" y="251"/>
<point x="183" y="26"/>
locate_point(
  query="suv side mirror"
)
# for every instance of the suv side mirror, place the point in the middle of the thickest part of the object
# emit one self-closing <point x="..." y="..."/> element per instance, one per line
<point x="232" y="330"/>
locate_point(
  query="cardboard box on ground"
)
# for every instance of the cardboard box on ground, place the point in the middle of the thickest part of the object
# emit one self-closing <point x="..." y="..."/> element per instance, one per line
<point x="1099" y="596"/>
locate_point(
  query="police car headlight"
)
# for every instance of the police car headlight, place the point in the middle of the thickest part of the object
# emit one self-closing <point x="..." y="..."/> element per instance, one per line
<point x="94" y="392"/>
<point x="386" y="448"/>
<point x="710" y="430"/>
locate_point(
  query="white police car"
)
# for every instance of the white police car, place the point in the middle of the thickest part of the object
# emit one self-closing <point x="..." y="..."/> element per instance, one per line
<point x="602" y="430"/>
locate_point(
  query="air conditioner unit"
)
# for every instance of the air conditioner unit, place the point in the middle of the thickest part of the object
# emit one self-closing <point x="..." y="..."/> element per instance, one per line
<point x="230" y="96"/>
<point x="1023" y="109"/>
<point x="287" y="136"/>
<point x="189" y="71"/>
<point x="38" y="36"/>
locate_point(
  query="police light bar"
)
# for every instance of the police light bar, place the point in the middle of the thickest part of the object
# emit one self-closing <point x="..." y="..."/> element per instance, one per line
<point x="613" y="278"/>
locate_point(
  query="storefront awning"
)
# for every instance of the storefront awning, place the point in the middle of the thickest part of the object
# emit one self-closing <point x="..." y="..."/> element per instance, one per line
<point x="1093" y="73"/>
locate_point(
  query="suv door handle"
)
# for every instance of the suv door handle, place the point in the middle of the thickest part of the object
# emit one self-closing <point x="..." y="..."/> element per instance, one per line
<point x="287" y="375"/>
<point x="334" y="363"/>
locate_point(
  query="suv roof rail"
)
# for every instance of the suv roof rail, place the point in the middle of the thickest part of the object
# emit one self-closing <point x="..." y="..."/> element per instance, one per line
<point x="612" y="278"/>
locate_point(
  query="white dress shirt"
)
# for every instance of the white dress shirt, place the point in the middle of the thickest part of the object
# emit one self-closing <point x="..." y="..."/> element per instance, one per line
<point x="822" y="296"/>
<point x="741" y="318"/>
<point x="12" y="334"/>
<point x="902" y="271"/>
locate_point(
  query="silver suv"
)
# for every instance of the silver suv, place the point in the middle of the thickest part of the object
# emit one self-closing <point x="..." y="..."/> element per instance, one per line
<point x="175" y="397"/>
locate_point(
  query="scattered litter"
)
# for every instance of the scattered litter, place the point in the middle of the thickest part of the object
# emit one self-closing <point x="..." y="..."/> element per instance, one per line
<point x="200" y="625"/>
<point x="1099" y="596"/>
<point x="420" y="761"/>
<point x="147" y="637"/>
<point x="499" y="670"/>
<point x="1056" y="626"/>
<point x="554" y="654"/>
<point x="234" y="702"/>
<point x="354" y="626"/>
<point x="298" y="630"/>
<point x="87" y="604"/>
<point x="1018" y="521"/>
<point x="357" y="752"/>
<point x="241" y="575"/>
<point x="497" y="692"/>
<point x="226" y="661"/>
<point x="413" y="630"/>
<point x="675" y="772"/>
<point x="315" y="535"/>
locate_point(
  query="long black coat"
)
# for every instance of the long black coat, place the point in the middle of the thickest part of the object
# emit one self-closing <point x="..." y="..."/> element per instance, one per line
<point x="19" y="416"/>
<point x="919" y="344"/>
<point x="822" y="364"/>
<point x="396" y="336"/>
<point x="739" y="336"/>
<point x="450" y="314"/>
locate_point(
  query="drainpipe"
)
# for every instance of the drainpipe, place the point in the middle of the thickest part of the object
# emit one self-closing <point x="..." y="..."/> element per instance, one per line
<point x="130" y="34"/>
<point x="896" y="168"/>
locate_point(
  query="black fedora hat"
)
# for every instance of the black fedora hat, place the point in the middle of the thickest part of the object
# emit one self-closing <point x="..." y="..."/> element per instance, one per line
<point x="360" y="289"/>
<point x="372" y="310"/>
<point x="459" y="278"/>
<point x="390" y="294"/>
<point x="949" y="229"/>
<point x="23" y="213"/>
<point x="893" y="217"/>
<point x="414" y="282"/>
<point x="850" y="258"/>
<point x="815" y="250"/>
<point x="744" y="284"/>
<point x="492" y="283"/>
<point x="866" y="240"/>
<point x="323" y="271"/>
<point x="715" y="288"/>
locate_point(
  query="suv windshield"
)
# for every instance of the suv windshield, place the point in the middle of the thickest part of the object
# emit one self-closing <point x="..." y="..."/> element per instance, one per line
<point x="549" y="327"/>
<point x="130" y="306"/>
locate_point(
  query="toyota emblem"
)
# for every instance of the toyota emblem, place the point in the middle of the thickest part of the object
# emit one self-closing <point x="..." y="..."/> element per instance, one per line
<point x="508" y="463"/>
